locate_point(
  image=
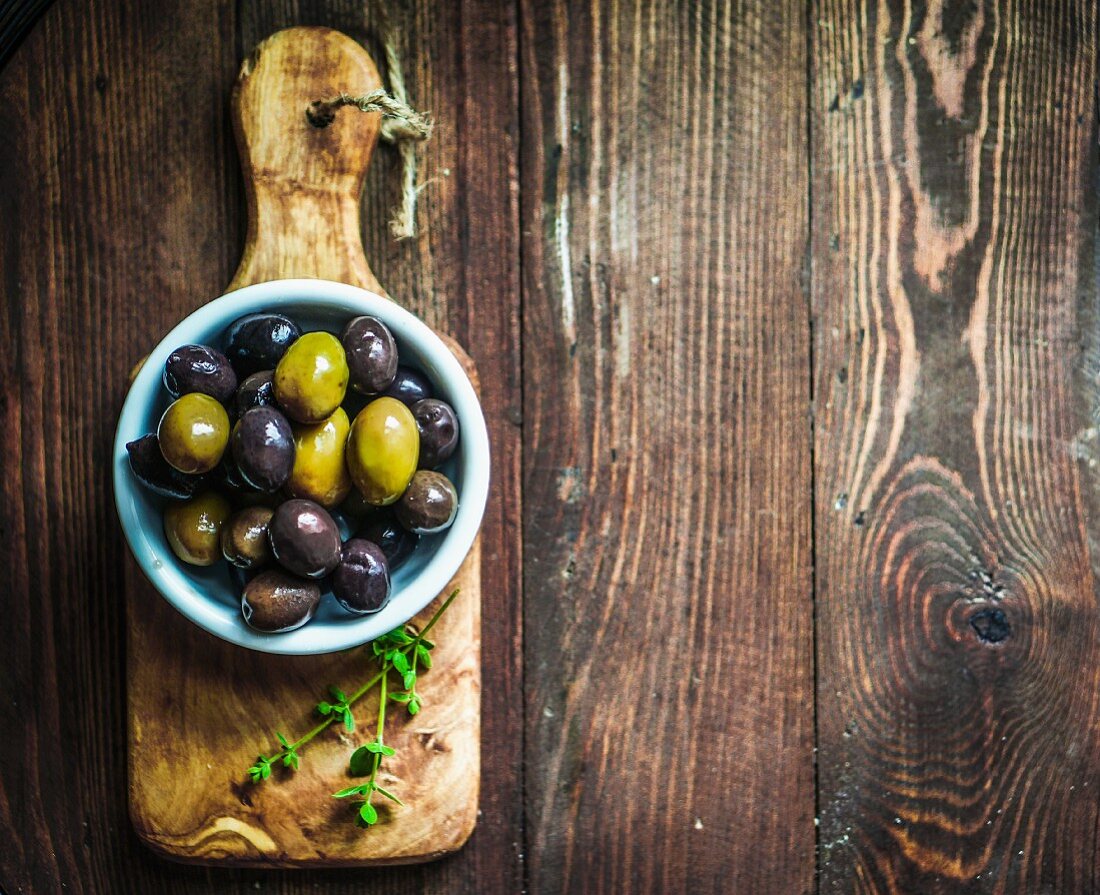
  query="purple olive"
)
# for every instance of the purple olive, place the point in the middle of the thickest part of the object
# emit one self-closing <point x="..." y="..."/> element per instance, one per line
<point x="438" y="427"/>
<point x="276" y="601"/>
<point x="371" y="355"/>
<point x="157" y="474"/>
<point x="361" y="582"/>
<point x="429" y="505"/>
<point x="263" y="448"/>
<point x="198" y="368"/>
<point x="409" y="386"/>
<point x="305" y="538"/>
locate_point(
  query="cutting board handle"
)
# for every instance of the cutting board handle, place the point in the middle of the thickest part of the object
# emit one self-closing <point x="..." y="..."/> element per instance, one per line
<point x="304" y="182"/>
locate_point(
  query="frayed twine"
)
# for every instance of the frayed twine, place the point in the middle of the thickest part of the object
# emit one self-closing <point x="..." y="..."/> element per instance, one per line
<point x="402" y="126"/>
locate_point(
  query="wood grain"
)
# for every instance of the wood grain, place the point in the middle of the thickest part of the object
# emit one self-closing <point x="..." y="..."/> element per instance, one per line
<point x="942" y="218"/>
<point x="667" y="580"/>
<point x="954" y="151"/>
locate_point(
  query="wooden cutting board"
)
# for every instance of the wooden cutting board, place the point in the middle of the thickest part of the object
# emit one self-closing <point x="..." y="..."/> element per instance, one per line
<point x="200" y="709"/>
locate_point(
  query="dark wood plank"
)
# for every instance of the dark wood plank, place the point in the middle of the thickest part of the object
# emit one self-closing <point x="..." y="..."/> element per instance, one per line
<point x="117" y="218"/>
<point x="17" y="17"/>
<point x="953" y="173"/>
<point x="667" y="578"/>
<point x="129" y="216"/>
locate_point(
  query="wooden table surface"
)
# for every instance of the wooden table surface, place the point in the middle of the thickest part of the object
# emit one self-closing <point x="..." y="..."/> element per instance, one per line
<point x="788" y="323"/>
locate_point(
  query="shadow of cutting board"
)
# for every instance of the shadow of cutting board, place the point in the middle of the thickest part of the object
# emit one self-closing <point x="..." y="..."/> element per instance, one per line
<point x="200" y="709"/>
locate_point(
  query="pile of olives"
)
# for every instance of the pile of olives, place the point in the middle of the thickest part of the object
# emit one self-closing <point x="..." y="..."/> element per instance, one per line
<point x="269" y="445"/>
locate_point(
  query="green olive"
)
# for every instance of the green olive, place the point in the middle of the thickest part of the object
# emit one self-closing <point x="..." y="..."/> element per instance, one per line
<point x="312" y="377"/>
<point x="383" y="450"/>
<point x="193" y="433"/>
<point x="320" y="470"/>
<point x="193" y="528"/>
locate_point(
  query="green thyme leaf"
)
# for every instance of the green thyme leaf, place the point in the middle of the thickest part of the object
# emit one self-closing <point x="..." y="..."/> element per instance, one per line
<point x="361" y="763"/>
<point x="389" y="795"/>
<point x="357" y="790"/>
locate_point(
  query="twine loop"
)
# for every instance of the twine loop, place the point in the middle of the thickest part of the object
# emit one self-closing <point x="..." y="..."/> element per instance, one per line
<point x="402" y="127"/>
<point x="400" y="121"/>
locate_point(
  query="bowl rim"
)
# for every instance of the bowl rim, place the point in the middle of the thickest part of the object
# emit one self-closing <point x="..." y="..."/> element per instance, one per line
<point x="165" y="574"/>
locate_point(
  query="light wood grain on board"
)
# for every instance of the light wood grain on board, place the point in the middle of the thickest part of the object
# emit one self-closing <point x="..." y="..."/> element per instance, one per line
<point x="959" y="662"/>
<point x="667" y="465"/>
<point x="188" y="798"/>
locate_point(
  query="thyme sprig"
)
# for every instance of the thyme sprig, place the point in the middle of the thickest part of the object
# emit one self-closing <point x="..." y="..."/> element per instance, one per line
<point x="404" y="652"/>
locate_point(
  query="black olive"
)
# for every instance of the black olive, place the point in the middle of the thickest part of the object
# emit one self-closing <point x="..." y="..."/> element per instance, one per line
<point x="257" y="390"/>
<point x="244" y="537"/>
<point x="396" y="542"/>
<point x="157" y="474"/>
<point x="429" y="505"/>
<point x="257" y="341"/>
<point x="371" y="355"/>
<point x="198" y="368"/>
<point x="409" y="386"/>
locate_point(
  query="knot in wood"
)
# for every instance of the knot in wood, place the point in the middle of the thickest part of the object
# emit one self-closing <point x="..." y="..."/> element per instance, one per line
<point x="991" y="625"/>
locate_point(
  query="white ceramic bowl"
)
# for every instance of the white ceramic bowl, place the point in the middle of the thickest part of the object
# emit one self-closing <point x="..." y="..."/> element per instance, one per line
<point x="205" y="595"/>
